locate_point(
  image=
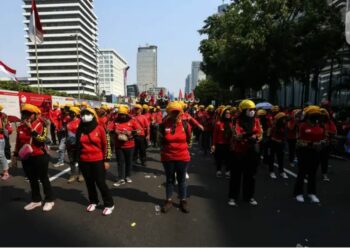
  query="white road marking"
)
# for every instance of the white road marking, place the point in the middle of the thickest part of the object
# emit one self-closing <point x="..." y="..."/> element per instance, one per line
<point x="287" y="171"/>
<point x="55" y="177"/>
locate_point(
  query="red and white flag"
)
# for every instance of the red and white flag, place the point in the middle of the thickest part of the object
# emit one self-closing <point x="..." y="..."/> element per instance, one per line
<point x="36" y="33"/>
<point x="180" y="95"/>
<point x="7" y="70"/>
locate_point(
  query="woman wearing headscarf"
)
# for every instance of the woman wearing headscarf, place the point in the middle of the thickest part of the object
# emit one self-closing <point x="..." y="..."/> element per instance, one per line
<point x="94" y="154"/>
<point x="247" y="135"/>
<point x="311" y="141"/>
<point x="174" y="136"/>
<point x="30" y="149"/>
<point x="222" y="136"/>
<point x="126" y="128"/>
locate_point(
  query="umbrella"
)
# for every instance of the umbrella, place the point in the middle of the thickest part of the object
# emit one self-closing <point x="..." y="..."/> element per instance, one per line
<point x="264" y="105"/>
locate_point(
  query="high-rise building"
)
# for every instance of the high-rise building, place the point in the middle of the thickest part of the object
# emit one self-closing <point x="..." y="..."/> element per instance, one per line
<point x="147" y="68"/>
<point x="197" y="75"/>
<point x="67" y="59"/>
<point x="188" y="84"/>
<point x="111" y="76"/>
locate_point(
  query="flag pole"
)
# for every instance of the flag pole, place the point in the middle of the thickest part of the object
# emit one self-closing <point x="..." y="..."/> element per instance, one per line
<point x="37" y="67"/>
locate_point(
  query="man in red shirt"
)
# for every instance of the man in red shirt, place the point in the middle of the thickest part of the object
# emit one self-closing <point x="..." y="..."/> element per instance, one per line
<point x="143" y="137"/>
<point x="54" y="116"/>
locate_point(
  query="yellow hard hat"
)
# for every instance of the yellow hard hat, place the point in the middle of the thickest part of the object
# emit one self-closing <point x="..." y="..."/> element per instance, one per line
<point x="105" y="107"/>
<point x="56" y="105"/>
<point x="210" y="107"/>
<point x="174" y="106"/>
<point x="75" y="110"/>
<point x="145" y="107"/>
<point x="31" y="108"/>
<point x="310" y="110"/>
<point x="84" y="104"/>
<point x="280" y="115"/>
<point x="138" y="106"/>
<point x="77" y="104"/>
<point x="246" y="104"/>
<point x="92" y="111"/>
<point x="1" y="107"/>
<point x="123" y="110"/>
<point x="261" y="112"/>
<point x="324" y="112"/>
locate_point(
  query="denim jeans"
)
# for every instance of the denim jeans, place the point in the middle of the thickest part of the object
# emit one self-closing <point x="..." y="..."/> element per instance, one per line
<point x="124" y="159"/>
<point x="3" y="160"/>
<point x="180" y="168"/>
<point x="62" y="150"/>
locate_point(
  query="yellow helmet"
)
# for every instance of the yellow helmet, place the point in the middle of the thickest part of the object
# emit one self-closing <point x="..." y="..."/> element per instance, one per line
<point x="324" y="112"/>
<point x="261" y="112"/>
<point x="75" y="110"/>
<point x="310" y="110"/>
<point x="280" y="115"/>
<point x="145" y="107"/>
<point x="138" y="106"/>
<point x="31" y="108"/>
<point x="77" y="104"/>
<point x="56" y="105"/>
<point x="92" y="111"/>
<point x="174" y="106"/>
<point x="210" y="108"/>
<point x="123" y="110"/>
<point x="246" y="104"/>
<point x="1" y="107"/>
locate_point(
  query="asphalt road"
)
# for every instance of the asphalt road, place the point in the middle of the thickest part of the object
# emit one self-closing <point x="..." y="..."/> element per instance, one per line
<point x="278" y="221"/>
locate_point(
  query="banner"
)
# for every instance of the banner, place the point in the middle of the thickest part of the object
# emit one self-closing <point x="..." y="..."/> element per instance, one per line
<point x="44" y="102"/>
<point x="63" y="100"/>
<point x="9" y="99"/>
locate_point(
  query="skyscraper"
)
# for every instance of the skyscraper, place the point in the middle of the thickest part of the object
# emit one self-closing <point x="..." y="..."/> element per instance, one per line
<point x="147" y="67"/>
<point x="67" y="57"/>
<point x="111" y="77"/>
<point x="188" y="84"/>
<point x="197" y="75"/>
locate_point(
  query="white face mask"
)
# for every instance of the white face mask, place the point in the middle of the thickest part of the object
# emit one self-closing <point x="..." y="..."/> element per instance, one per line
<point x="87" y="118"/>
<point x="250" y="113"/>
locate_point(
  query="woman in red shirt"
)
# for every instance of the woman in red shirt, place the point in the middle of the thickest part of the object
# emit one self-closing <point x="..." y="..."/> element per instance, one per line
<point x="311" y="141"/>
<point x="33" y="131"/>
<point x="94" y="155"/>
<point x="174" y="136"/>
<point x="247" y="135"/>
<point x="71" y="138"/>
<point x="331" y="131"/>
<point x="292" y="128"/>
<point x="126" y="128"/>
<point x="222" y="136"/>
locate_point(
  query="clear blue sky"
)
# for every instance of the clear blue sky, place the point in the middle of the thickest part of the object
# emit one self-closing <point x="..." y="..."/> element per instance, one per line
<point x="124" y="25"/>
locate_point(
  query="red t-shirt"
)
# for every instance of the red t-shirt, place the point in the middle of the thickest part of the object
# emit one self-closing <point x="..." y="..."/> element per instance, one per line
<point x="242" y="146"/>
<point x="175" y="147"/>
<point x="143" y="123"/>
<point x="310" y="133"/>
<point x="130" y="126"/>
<point x="218" y="134"/>
<point x="94" y="147"/>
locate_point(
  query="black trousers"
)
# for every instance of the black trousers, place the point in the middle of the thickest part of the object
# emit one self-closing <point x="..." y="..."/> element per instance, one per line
<point x="36" y="167"/>
<point x="324" y="158"/>
<point x="140" y="148"/>
<point x="243" y="173"/>
<point x="277" y="149"/>
<point x="309" y="160"/>
<point x="95" y="175"/>
<point x="112" y="140"/>
<point x="266" y="150"/>
<point x="222" y="156"/>
<point x="153" y="135"/>
<point x="291" y="148"/>
<point x="206" y="141"/>
<point x="53" y="133"/>
<point x="124" y="159"/>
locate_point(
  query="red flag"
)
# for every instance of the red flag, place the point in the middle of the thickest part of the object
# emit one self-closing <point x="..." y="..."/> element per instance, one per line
<point x="180" y="95"/>
<point x="161" y="93"/>
<point x="36" y="33"/>
<point x="7" y="70"/>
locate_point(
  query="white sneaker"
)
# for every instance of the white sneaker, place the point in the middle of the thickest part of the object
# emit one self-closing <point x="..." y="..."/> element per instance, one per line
<point x="228" y="175"/>
<point x="128" y="180"/>
<point x="300" y="198"/>
<point x="232" y="203"/>
<point x="119" y="183"/>
<point x="108" y="211"/>
<point x="32" y="206"/>
<point x="187" y="176"/>
<point x="218" y="174"/>
<point x="326" y="178"/>
<point x="253" y="202"/>
<point x="292" y="165"/>
<point x="48" y="206"/>
<point x="59" y="164"/>
<point x="284" y="175"/>
<point x="91" y="208"/>
<point x="273" y="175"/>
<point x="314" y="198"/>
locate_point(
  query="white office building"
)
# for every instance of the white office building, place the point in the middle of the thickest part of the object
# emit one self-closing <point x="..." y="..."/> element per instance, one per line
<point x="147" y="68"/>
<point x="188" y="84"/>
<point x="197" y="75"/>
<point x="111" y="76"/>
<point x="67" y="59"/>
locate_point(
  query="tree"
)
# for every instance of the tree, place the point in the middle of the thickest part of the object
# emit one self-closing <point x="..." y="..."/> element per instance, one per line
<point x="209" y="90"/>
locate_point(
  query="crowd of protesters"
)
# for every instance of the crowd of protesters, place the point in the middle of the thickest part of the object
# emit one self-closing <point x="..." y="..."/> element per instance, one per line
<point x="240" y="138"/>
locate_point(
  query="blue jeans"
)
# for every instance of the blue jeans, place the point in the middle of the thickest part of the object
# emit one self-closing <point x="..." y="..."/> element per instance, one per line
<point x="61" y="150"/>
<point x="3" y="161"/>
<point x="180" y="168"/>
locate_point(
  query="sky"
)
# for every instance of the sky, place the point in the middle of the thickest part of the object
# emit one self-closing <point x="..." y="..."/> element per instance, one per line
<point x="124" y="25"/>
